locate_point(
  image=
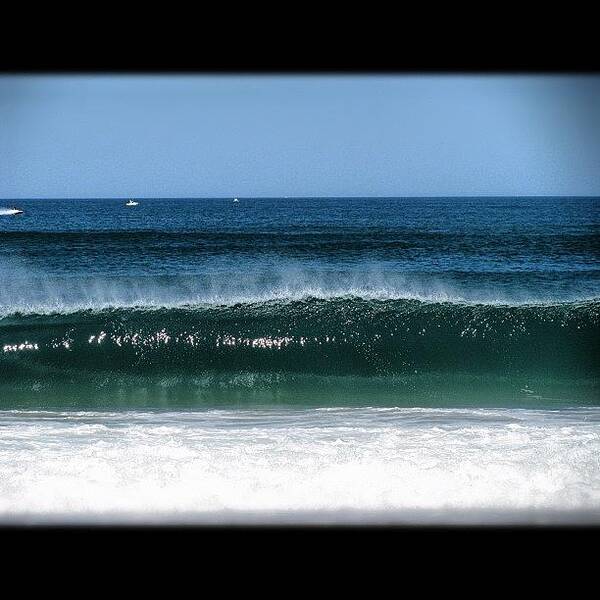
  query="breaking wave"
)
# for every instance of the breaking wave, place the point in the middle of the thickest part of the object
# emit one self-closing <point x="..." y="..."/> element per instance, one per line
<point x="283" y="341"/>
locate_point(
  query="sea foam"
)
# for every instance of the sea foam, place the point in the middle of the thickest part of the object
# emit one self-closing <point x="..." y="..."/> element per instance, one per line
<point x="299" y="466"/>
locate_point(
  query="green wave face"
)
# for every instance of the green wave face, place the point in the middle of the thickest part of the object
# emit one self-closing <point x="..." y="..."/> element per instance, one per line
<point x="315" y="351"/>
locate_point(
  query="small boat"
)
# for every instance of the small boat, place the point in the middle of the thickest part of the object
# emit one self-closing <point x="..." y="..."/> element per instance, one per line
<point x="11" y="211"/>
<point x="132" y="203"/>
<point x="235" y="200"/>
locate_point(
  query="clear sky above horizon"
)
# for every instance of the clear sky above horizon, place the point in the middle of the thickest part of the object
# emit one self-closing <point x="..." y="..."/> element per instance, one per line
<point x="79" y="136"/>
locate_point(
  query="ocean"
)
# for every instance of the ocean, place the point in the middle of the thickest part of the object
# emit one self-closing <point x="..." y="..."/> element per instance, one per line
<point x="405" y="360"/>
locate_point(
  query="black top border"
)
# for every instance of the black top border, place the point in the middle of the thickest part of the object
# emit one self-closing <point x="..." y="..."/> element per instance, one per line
<point x="332" y="69"/>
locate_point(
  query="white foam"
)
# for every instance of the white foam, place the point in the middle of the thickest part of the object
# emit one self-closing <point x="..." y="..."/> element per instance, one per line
<point x="391" y="461"/>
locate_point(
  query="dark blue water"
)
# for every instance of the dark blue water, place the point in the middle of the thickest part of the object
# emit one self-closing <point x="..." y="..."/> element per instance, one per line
<point x="380" y="300"/>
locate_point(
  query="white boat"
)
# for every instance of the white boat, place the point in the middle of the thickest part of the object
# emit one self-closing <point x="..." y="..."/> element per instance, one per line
<point x="11" y="211"/>
<point x="235" y="200"/>
<point x="132" y="203"/>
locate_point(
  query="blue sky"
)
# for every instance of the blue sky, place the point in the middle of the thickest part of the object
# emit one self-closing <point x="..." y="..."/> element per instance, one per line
<point x="396" y="135"/>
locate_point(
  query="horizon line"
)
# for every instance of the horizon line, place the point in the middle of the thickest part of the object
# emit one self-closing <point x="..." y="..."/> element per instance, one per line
<point x="301" y="197"/>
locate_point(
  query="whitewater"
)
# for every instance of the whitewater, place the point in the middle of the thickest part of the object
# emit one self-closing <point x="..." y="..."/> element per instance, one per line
<point x="329" y="466"/>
